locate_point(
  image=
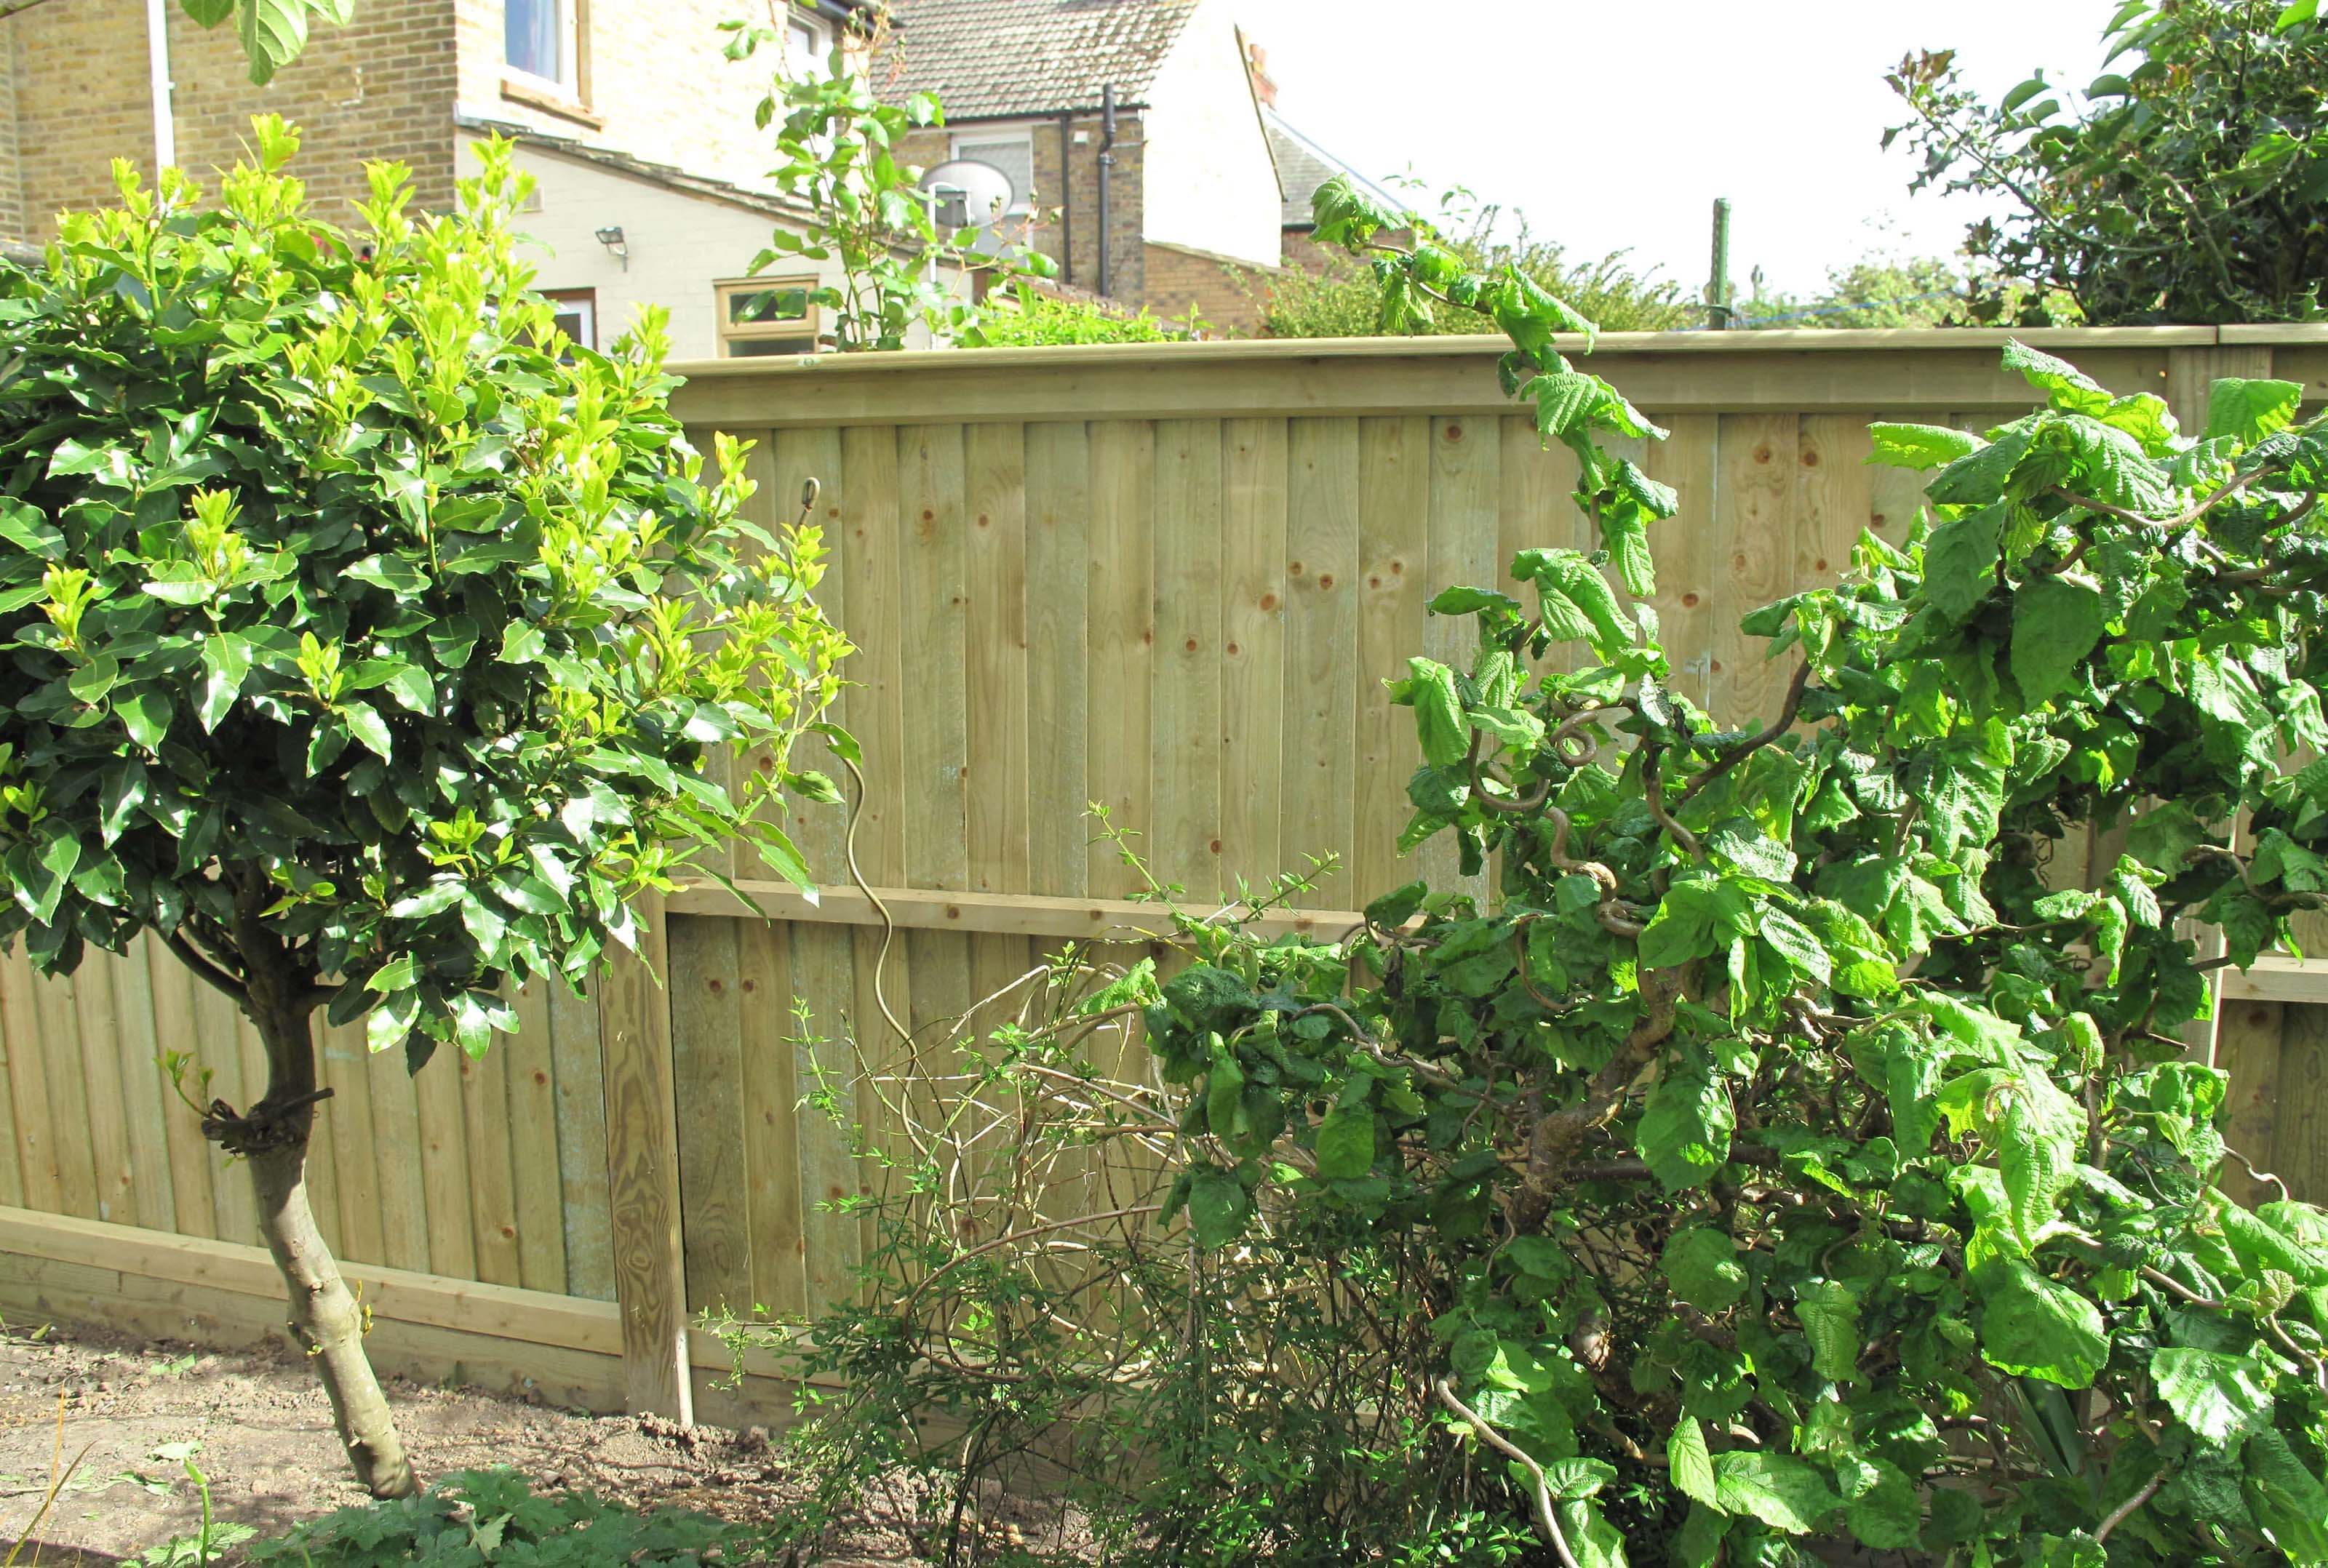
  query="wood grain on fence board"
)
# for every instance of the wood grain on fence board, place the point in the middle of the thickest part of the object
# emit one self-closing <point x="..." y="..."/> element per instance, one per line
<point x="577" y="1076"/>
<point x="535" y="1193"/>
<point x="1321" y="649"/>
<point x="706" y="1032"/>
<point x="1396" y="478"/>
<point x="1252" y="649"/>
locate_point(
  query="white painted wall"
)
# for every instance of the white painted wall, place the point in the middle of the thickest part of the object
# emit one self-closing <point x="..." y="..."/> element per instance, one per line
<point x="1207" y="180"/>
<point x="680" y="245"/>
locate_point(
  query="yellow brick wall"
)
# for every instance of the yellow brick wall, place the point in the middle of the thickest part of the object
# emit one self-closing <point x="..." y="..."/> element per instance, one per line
<point x="378" y="89"/>
<point x="78" y="77"/>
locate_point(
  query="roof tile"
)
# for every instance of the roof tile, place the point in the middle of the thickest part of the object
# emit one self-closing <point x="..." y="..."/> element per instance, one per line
<point x="990" y="58"/>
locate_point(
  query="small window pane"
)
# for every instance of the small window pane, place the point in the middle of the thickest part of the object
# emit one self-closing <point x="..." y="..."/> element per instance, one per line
<point x="1014" y="158"/>
<point x="759" y="348"/>
<point x="534" y="37"/>
<point x="768" y="305"/>
<point x="802" y="52"/>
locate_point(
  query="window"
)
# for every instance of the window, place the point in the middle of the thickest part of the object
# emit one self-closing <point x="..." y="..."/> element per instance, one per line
<point x="804" y="49"/>
<point x="1013" y="153"/>
<point x="539" y="40"/>
<point x="577" y="313"/>
<point x="762" y="316"/>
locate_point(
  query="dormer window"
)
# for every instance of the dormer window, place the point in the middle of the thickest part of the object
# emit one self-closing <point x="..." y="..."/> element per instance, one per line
<point x="540" y="44"/>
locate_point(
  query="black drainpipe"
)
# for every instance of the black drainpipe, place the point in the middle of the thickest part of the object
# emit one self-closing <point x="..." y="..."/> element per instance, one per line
<point x="1106" y="162"/>
<point x="1066" y="198"/>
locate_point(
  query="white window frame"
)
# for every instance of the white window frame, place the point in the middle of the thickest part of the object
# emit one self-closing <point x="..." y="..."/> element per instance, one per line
<point x="570" y="50"/>
<point x="582" y="303"/>
<point x="810" y="326"/>
<point x="987" y="135"/>
<point x="820" y="44"/>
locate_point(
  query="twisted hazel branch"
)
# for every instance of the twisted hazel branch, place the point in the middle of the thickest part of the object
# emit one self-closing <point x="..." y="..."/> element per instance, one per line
<point x="2117" y="1515"/>
<point x="1548" y="1524"/>
<point x="1778" y="726"/>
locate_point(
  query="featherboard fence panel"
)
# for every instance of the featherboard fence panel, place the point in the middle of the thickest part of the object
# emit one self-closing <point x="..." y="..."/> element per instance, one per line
<point x="1168" y="580"/>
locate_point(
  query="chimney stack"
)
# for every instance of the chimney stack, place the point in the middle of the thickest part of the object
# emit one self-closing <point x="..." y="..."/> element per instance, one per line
<point x="1257" y="61"/>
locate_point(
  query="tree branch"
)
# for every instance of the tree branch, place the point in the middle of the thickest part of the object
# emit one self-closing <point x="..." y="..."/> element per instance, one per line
<point x="1778" y="726"/>
<point x="205" y="969"/>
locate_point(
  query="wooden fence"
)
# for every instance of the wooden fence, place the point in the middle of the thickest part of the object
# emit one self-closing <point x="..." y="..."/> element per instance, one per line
<point x="1168" y="579"/>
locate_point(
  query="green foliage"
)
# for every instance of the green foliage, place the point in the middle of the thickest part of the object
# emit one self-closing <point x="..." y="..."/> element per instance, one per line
<point x="1788" y="1116"/>
<point x="1040" y="320"/>
<point x="900" y="269"/>
<point x="366" y="640"/>
<point x="2186" y="183"/>
<point x="474" y="1517"/>
<point x="1345" y="299"/>
<point x="1875" y="292"/>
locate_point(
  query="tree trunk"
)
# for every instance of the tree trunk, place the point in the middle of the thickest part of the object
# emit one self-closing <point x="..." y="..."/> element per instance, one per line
<point x="325" y="1316"/>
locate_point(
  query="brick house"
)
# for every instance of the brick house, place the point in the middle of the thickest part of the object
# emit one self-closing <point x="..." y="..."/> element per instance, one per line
<point x="651" y="172"/>
<point x="1144" y="108"/>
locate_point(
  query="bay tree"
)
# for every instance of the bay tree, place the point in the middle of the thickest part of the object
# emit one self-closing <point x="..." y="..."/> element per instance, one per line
<point x="366" y="641"/>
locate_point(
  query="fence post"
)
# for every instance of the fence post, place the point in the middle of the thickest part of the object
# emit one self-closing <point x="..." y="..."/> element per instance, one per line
<point x="642" y="1171"/>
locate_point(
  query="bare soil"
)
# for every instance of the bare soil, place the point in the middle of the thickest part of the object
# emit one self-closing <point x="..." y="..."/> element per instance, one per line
<point x="266" y="1444"/>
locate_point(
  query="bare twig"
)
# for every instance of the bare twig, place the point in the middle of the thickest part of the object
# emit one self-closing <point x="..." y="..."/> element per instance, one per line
<point x="1547" y="1523"/>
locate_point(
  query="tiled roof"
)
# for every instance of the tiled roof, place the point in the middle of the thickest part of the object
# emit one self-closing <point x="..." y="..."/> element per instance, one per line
<point x="664" y="174"/>
<point x="988" y="58"/>
<point x="1302" y="165"/>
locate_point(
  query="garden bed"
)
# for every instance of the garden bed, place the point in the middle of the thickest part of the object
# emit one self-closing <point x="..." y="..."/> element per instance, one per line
<point x="261" y="1434"/>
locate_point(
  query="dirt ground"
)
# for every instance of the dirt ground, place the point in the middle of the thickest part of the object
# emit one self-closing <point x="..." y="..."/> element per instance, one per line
<point x="263" y="1437"/>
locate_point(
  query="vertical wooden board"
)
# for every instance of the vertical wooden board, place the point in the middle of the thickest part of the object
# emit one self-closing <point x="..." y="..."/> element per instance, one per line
<point x="933" y="562"/>
<point x="346" y="1065"/>
<point x="793" y="457"/>
<point x="531" y="1116"/>
<point x="396" y="1142"/>
<point x="79" y="1178"/>
<point x="1123" y="619"/>
<point x="12" y="1175"/>
<point x="1755" y="528"/>
<point x="1058" y="648"/>
<point x="2299" y="1154"/>
<point x="1321" y="649"/>
<point x="1465" y="503"/>
<point x="1185" y="716"/>
<point x="995" y="666"/>
<point x="2248" y="1049"/>
<point x="444" y="1155"/>
<point x="768" y="1094"/>
<point x="823" y="972"/>
<point x="484" y="1086"/>
<point x="1684" y="546"/>
<point x="642" y="1177"/>
<point x="32" y="1125"/>
<point x="1834" y="500"/>
<point x="579" y="1075"/>
<point x="153" y="1203"/>
<point x="882" y="986"/>
<point x="869" y="553"/>
<point x="1535" y="510"/>
<point x="170" y="985"/>
<point x="2191" y="373"/>
<point x="1395" y="519"/>
<point x="707" y="1037"/>
<point x="1252" y="647"/>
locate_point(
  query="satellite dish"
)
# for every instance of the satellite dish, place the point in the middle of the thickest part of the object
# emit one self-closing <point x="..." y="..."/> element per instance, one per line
<point x="968" y="193"/>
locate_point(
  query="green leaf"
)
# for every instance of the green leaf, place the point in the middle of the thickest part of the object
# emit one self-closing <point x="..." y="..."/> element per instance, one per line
<point x="1437" y="712"/>
<point x="2221" y="1397"/>
<point x="1829" y="1314"/>
<point x="2056" y="623"/>
<point x="273" y="32"/>
<point x="1920" y="446"/>
<point x="391" y="1021"/>
<point x="1881" y="1505"/>
<point x="226" y="659"/>
<point x="1960" y="562"/>
<point x="1217" y="1207"/>
<point x="1684" y="1132"/>
<point x="366" y="725"/>
<point x="1781" y="1490"/>
<point x="2247" y="411"/>
<point x="2037" y="1327"/>
<point x="147" y="717"/>
<point x="1701" y="1263"/>
<point x="1345" y="1142"/>
<point x="1690" y="1466"/>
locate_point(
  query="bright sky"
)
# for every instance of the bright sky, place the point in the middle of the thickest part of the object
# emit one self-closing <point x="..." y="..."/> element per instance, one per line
<point x="1616" y="123"/>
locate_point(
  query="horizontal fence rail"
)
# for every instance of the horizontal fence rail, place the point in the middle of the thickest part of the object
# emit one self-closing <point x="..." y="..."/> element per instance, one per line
<point x="1165" y="579"/>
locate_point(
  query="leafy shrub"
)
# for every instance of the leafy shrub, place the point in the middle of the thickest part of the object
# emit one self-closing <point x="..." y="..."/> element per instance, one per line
<point x="359" y="639"/>
<point x="474" y="1517"/>
<point x="2183" y="184"/>
<point x="1795" y="1157"/>
<point x="1345" y="299"/>
<point x="1040" y="320"/>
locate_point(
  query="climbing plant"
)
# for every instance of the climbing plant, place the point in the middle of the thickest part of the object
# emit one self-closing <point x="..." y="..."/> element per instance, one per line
<point x="1800" y="1150"/>
<point x="365" y="640"/>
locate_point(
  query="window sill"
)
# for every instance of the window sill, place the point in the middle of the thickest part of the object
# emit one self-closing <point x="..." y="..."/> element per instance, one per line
<point x="550" y="101"/>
